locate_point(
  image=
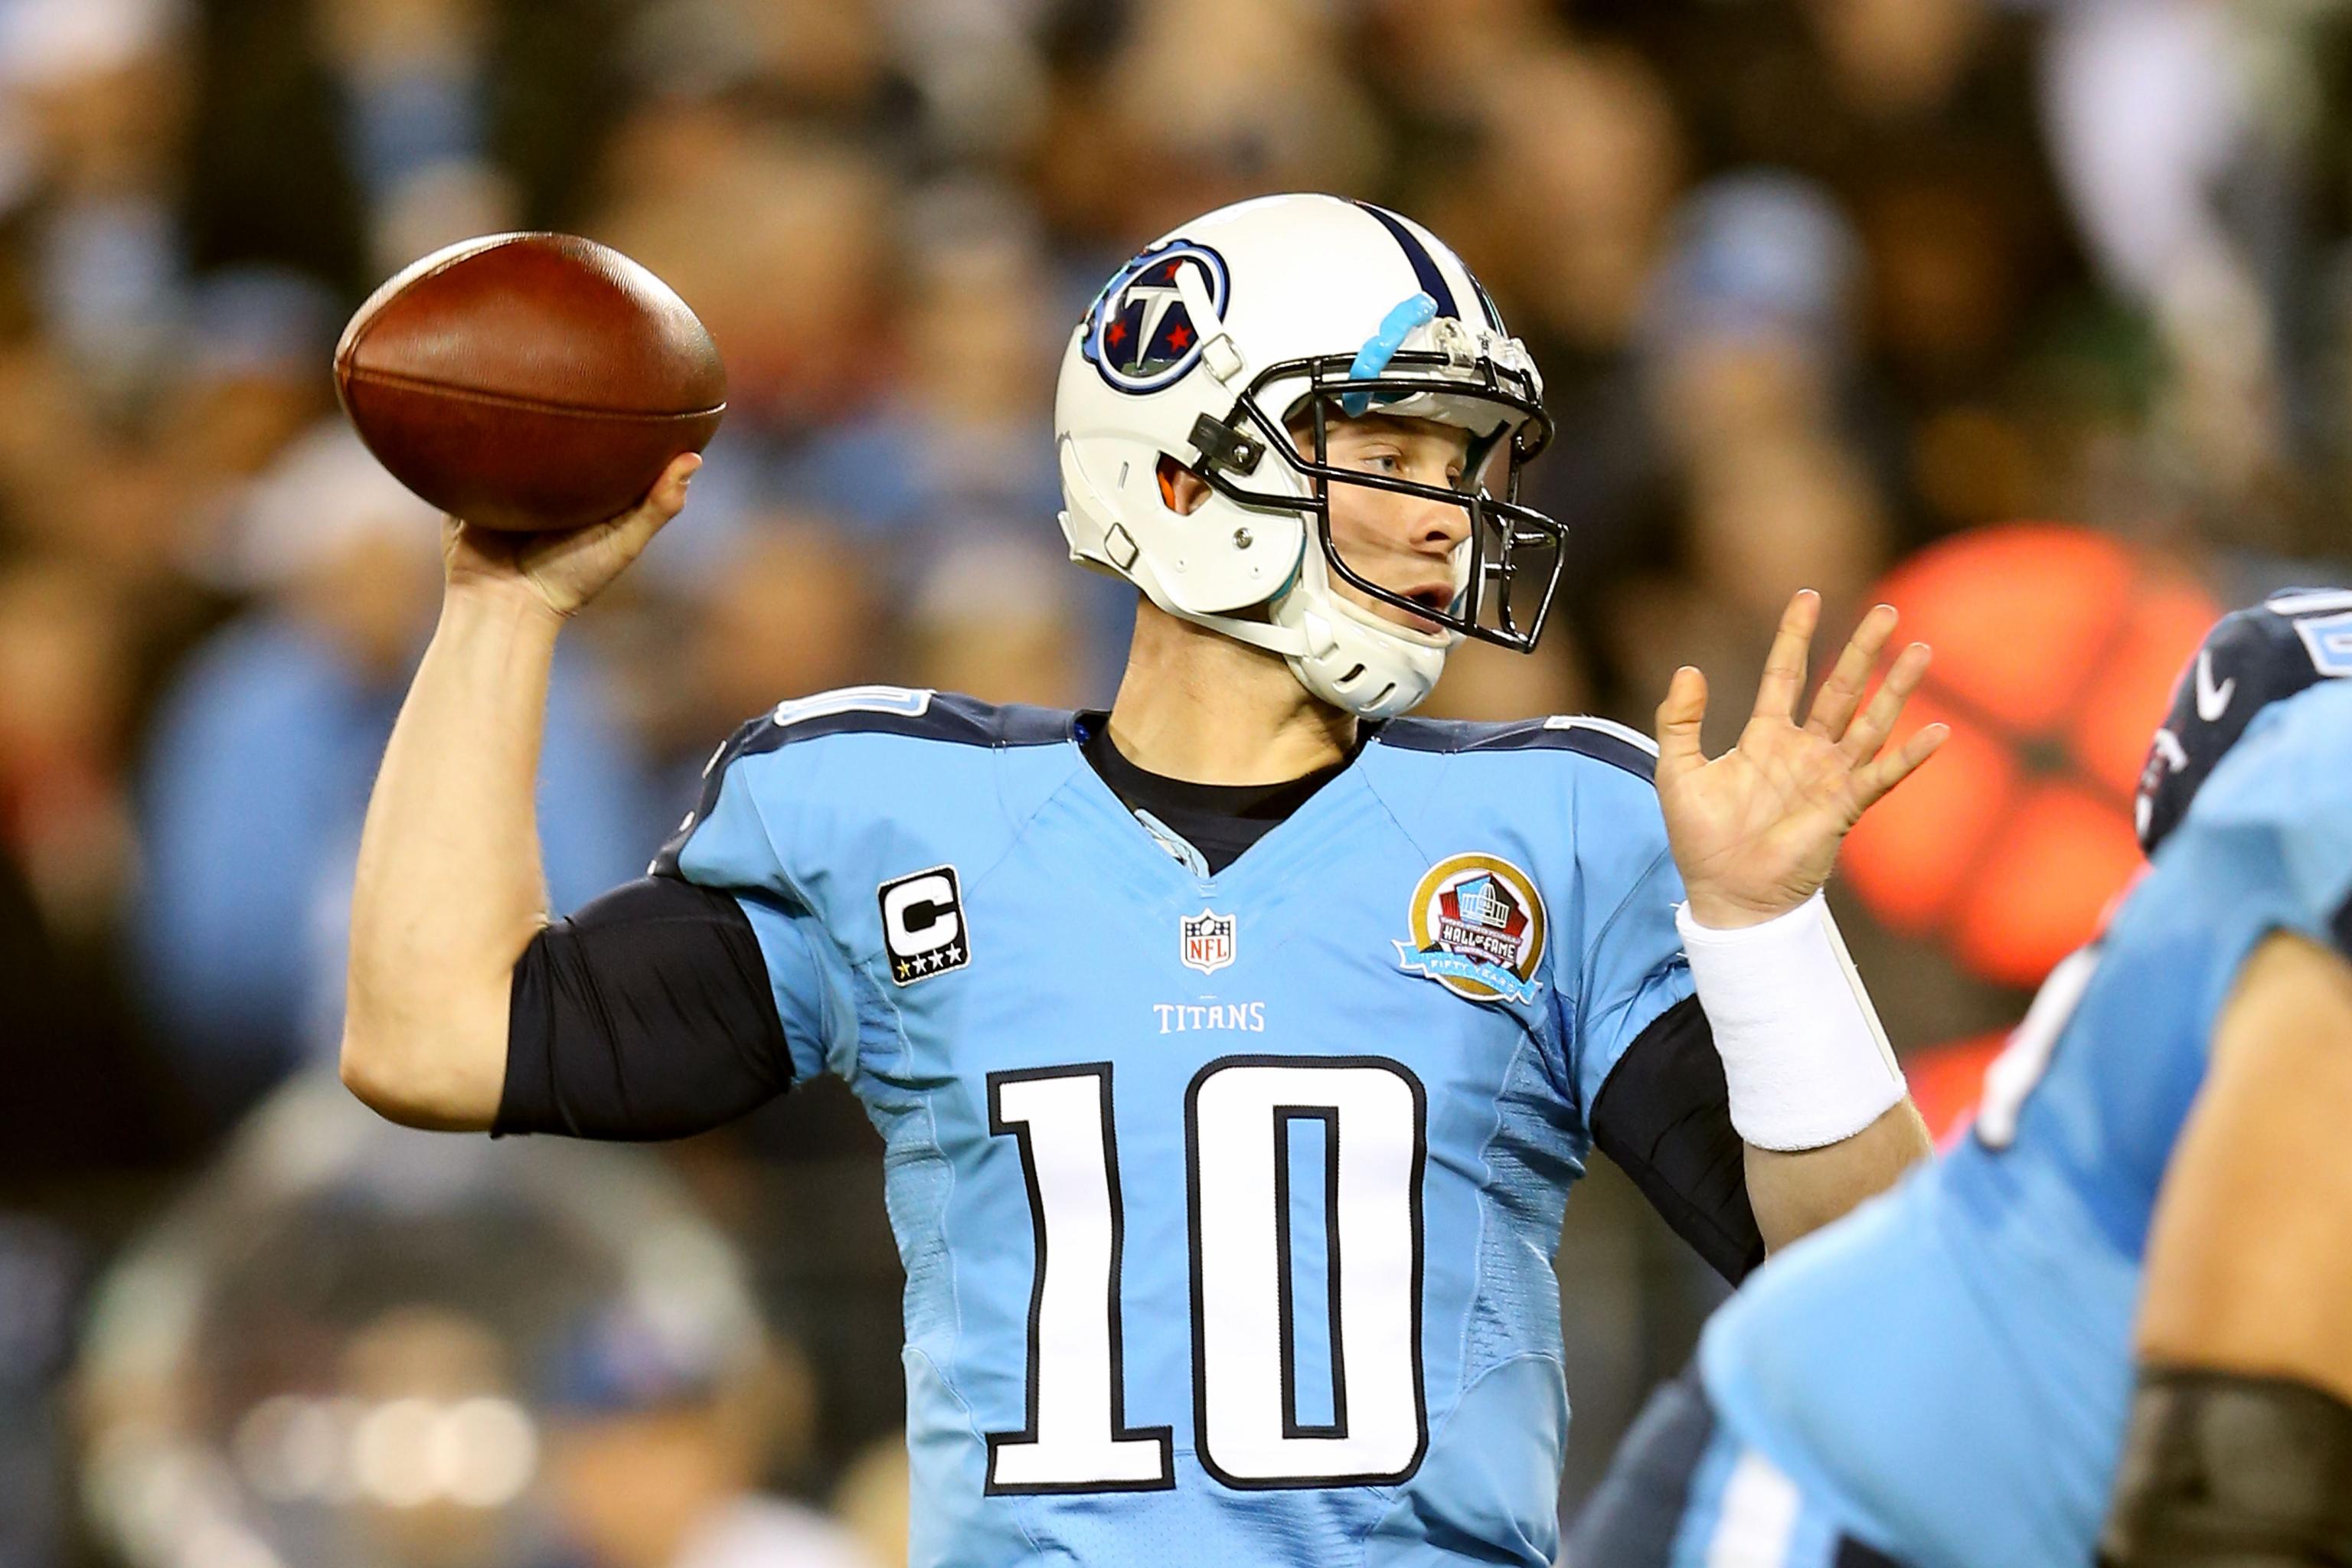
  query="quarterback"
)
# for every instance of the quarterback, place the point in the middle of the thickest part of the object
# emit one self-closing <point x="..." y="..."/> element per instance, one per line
<point x="2159" y="1172"/>
<point x="1235" y="1050"/>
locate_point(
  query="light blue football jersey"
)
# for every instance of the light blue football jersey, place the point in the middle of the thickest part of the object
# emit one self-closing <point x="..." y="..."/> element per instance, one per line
<point x="1227" y="1203"/>
<point x="1951" y="1366"/>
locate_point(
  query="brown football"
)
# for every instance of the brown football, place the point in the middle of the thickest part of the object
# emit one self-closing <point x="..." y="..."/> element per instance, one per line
<point x="529" y="381"/>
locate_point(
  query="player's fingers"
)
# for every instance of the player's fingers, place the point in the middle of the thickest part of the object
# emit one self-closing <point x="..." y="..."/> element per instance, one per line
<point x="1784" y="665"/>
<point x="1679" y="718"/>
<point x="633" y="529"/>
<point x="1873" y="781"/>
<point x="1868" y="732"/>
<point x="1841" y="694"/>
<point x="668" y="494"/>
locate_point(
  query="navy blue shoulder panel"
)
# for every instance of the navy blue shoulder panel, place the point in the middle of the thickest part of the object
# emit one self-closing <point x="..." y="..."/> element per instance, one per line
<point x="1521" y="736"/>
<point x="920" y="715"/>
<point x="942" y="716"/>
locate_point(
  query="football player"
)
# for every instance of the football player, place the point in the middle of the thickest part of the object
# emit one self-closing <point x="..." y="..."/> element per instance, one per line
<point x="1948" y="1376"/>
<point x="1235" y="1050"/>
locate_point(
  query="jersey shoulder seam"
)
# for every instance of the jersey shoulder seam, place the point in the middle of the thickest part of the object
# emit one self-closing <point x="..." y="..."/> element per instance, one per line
<point x="1603" y="739"/>
<point x="912" y="712"/>
<point x="1583" y="974"/>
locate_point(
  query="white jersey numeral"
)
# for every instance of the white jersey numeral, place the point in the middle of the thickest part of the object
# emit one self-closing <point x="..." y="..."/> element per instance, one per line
<point x="2025" y="1060"/>
<point x="1076" y="1438"/>
<point x="1241" y="1115"/>
<point x="1238" y="1121"/>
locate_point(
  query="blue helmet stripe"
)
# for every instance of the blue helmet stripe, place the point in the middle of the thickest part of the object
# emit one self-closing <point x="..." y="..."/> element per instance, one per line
<point x="1424" y="265"/>
<point x="1487" y="304"/>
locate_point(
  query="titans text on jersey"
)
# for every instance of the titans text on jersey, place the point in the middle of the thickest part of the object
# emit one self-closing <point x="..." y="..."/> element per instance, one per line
<point x="1226" y="1200"/>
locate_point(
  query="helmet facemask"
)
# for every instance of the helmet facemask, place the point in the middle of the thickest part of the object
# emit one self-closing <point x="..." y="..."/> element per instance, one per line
<point x="1506" y="569"/>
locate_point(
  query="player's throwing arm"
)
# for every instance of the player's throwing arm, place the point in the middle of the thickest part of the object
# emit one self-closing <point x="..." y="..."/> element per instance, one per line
<point x="507" y="416"/>
<point x="1754" y="833"/>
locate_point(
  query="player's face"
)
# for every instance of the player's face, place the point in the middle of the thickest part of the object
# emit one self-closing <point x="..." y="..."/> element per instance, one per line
<point x="1405" y="543"/>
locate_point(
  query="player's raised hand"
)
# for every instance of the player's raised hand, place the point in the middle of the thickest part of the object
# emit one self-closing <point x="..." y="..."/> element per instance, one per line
<point x="1756" y="830"/>
<point x="562" y="571"/>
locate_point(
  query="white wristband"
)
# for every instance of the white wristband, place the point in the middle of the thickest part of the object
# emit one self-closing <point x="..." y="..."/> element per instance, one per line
<point x="1804" y="1057"/>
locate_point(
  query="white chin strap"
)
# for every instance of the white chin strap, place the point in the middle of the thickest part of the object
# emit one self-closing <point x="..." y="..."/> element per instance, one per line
<point x="1345" y="656"/>
<point x="1349" y="657"/>
<point x="1336" y="654"/>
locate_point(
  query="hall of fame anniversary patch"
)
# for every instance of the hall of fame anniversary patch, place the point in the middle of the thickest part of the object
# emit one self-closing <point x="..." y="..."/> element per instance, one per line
<point x="1478" y="930"/>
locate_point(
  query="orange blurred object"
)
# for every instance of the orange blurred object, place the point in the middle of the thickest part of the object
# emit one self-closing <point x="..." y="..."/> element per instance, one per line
<point x="2056" y="648"/>
<point x="1947" y="1081"/>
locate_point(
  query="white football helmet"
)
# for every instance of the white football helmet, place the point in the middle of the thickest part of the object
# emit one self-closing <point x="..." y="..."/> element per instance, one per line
<point x="1205" y="347"/>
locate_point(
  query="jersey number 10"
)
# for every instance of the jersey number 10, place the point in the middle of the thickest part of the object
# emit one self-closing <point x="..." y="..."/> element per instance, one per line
<point x="1241" y="1114"/>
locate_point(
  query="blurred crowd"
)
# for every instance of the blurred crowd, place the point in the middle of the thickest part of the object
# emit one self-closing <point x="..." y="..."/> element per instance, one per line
<point x="1814" y="285"/>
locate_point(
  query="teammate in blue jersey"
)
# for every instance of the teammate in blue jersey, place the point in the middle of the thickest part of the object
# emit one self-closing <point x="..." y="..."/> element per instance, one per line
<point x="1235" y="1049"/>
<point x="1947" y="1376"/>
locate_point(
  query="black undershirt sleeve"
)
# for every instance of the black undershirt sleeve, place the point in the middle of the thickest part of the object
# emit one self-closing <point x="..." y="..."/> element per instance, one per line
<point x="1665" y="1117"/>
<point x="645" y="1015"/>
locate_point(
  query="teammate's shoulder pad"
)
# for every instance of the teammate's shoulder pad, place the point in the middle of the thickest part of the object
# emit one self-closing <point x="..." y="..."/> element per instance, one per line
<point x="1603" y="740"/>
<point x="912" y="712"/>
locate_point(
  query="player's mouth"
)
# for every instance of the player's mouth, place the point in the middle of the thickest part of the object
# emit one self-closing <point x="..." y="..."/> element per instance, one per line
<point x="1438" y="597"/>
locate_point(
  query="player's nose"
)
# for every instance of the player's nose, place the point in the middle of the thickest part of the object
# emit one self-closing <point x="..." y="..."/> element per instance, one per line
<point x="1438" y="526"/>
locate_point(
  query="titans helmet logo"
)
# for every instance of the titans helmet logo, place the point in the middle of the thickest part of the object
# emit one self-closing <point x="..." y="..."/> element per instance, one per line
<point x="1139" y="334"/>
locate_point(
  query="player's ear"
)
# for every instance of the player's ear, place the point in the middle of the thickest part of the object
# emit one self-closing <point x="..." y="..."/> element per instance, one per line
<point x="1180" y="488"/>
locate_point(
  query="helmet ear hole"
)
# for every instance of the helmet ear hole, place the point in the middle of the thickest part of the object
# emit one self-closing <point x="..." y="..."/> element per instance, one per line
<point x="1182" y="490"/>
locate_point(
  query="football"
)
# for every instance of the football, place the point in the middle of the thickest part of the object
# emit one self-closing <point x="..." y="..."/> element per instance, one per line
<point x="529" y="381"/>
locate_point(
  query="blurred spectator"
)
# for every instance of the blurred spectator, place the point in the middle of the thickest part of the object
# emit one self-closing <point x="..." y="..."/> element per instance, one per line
<point x="1578" y="181"/>
<point x="1752" y="324"/>
<point x="343" y="138"/>
<point x="264" y="753"/>
<point x="833" y="64"/>
<point x="101" y="87"/>
<point x="247" y="383"/>
<point x="653" y="1456"/>
<point x="65" y="692"/>
<point x="354" y="1344"/>
<point x="414" y="78"/>
<point x="1132" y="156"/>
<point x="1898" y="60"/>
<point x="779" y="606"/>
<point x="39" y="1268"/>
<point x="782" y="244"/>
<point x="995" y="618"/>
<point x="1491" y="685"/>
<point x="87" y="1097"/>
<point x="2183" y="167"/>
<point x="872" y="1498"/>
<point x="1768" y="514"/>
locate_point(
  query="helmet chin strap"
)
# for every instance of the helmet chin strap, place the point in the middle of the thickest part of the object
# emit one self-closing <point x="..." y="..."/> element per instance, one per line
<point x="1355" y="660"/>
<point x="1341" y="656"/>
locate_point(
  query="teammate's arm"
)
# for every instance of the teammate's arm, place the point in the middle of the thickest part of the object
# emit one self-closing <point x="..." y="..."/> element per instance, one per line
<point x="2239" y="1448"/>
<point x="448" y="891"/>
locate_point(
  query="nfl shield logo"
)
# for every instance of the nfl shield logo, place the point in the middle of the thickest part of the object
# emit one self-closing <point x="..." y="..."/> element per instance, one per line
<point x="1208" y="943"/>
